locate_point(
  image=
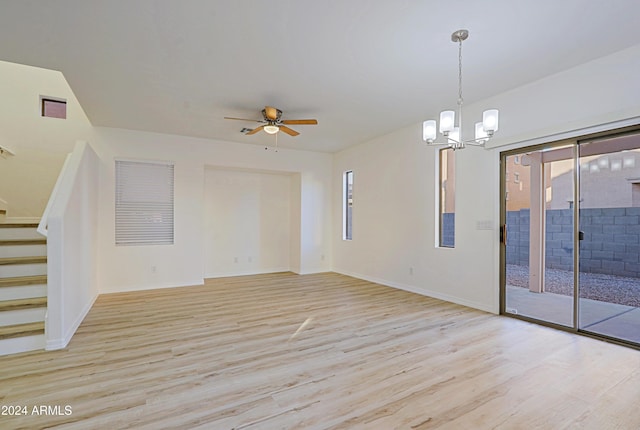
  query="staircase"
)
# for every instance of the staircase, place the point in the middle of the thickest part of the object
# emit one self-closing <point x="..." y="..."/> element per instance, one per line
<point x="23" y="288"/>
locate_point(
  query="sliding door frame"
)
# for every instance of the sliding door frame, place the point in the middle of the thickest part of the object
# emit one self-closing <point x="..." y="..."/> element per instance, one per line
<point x="575" y="142"/>
<point x="504" y="233"/>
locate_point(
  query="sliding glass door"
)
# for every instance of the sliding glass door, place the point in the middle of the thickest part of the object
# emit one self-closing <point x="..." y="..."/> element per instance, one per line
<point x="609" y="298"/>
<point x="574" y="263"/>
<point x="539" y="234"/>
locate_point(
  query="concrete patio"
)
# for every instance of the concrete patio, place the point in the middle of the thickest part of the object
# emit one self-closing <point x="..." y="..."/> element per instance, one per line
<point x="599" y="317"/>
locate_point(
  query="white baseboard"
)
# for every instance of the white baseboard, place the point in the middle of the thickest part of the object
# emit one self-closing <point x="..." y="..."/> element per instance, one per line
<point x="53" y="344"/>
<point x="313" y="271"/>
<point x="152" y="286"/>
<point x="246" y="272"/>
<point x="263" y="271"/>
<point x="421" y="291"/>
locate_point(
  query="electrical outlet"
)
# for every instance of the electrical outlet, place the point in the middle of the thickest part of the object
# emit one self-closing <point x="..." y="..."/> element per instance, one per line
<point x="411" y="271"/>
<point x="484" y="225"/>
<point x="250" y="259"/>
<point x="154" y="269"/>
<point x="235" y="259"/>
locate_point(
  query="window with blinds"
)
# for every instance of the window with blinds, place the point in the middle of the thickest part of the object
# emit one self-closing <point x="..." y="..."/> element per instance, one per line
<point x="144" y="203"/>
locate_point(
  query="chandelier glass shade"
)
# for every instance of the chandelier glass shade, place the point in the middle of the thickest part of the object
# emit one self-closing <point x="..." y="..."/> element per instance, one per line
<point x="452" y="133"/>
<point x="271" y="129"/>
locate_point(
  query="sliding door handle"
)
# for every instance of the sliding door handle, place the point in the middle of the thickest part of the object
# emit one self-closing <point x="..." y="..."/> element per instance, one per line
<point x="503" y="234"/>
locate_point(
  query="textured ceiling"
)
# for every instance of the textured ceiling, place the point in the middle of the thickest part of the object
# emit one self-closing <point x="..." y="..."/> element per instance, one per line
<point x="363" y="68"/>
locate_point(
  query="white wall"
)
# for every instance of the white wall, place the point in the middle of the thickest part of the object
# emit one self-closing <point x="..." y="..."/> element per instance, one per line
<point x="40" y="144"/>
<point x="126" y="268"/>
<point x="394" y="211"/>
<point x="594" y="94"/>
<point x="246" y="222"/>
<point x="295" y="232"/>
<point x="394" y="218"/>
<point x="72" y="247"/>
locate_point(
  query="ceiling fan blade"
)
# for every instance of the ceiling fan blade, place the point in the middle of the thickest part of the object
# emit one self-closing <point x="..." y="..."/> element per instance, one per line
<point x="301" y="121"/>
<point x="271" y="113"/>
<point x="255" y="130"/>
<point x="289" y="131"/>
<point x="242" y="119"/>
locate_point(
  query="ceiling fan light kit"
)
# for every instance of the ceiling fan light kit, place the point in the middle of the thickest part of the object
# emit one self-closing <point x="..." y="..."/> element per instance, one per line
<point x="273" y="123"/>
<point x="484" y="130"/>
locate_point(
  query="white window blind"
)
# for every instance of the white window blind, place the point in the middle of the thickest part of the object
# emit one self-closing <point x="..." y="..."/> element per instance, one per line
<point x="144" y="203"/>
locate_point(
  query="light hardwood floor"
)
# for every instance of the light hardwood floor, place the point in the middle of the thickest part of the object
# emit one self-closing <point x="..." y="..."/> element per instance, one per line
<point x="323" y="351"/>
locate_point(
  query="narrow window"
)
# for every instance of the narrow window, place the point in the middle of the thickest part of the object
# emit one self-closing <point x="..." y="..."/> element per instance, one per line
<point x="144" y="203"/>
<point x="53" y="108"/>
<point x="347" y="204"/>
<point x="447" y="198"/>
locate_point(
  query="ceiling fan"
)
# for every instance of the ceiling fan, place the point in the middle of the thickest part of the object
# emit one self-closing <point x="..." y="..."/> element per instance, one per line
<point x="272" y="122"/>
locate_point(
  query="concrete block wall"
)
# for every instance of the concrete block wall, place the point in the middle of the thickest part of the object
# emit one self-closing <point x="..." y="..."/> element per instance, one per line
<point x="448" y="229"/>
<point x="518" y="237"/>
<point x="611" y="242"/>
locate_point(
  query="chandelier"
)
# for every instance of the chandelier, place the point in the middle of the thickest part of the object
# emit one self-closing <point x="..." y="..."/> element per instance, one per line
<point x="453" y="133"/>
